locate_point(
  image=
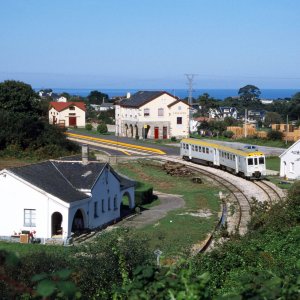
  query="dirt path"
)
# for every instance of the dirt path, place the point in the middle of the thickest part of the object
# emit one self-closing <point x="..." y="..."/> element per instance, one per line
<point x="150" y="216"/>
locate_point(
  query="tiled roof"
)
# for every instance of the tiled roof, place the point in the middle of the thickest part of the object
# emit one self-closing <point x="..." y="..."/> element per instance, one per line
<point x="142" y="97"/>
<point x="60" y="106"/>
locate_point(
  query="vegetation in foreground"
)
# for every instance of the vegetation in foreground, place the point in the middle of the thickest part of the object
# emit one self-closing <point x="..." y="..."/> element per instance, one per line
<point x="263" y="264"/>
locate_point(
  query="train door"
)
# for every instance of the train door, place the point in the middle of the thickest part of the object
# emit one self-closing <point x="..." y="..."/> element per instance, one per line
<point x="216" y="157"/>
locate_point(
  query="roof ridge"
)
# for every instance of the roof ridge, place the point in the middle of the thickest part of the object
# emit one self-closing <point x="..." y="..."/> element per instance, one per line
<point x="52" y="162"/>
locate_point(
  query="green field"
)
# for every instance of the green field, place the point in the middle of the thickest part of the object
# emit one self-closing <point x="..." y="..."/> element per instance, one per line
<point x="178" y="231"/>
<point x="273" y="163"/>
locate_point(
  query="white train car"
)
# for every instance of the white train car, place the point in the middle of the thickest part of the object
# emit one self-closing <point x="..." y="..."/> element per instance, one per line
<point x="245" y="163"/>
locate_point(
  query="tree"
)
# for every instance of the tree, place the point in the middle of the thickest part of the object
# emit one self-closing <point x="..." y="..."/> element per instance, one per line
<point x="206" y="102"/>
<point x="249" y="95"/>
<point x="102" y="128"/>
<point x="272" y="118"/>
<point x="96" y="97"/>
<point x="19" y="97"/>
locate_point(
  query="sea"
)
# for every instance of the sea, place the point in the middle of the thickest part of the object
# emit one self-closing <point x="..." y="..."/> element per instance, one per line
<point x="182" y="93"/>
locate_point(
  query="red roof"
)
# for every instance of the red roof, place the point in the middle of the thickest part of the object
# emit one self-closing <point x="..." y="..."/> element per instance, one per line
<point x="60" y="106"/>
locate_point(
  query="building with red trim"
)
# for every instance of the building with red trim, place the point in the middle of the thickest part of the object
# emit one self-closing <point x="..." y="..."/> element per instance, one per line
<point x="67" y="114"/>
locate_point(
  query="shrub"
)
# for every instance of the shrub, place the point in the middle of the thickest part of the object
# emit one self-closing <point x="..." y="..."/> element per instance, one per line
<point x="173" y="139"/>
<point x="89" y="126"/>
<point x="228" y="134"/>
<point x="102" y="128"/>
<point x="274" y="135"/>
<point x="143" y="194"/>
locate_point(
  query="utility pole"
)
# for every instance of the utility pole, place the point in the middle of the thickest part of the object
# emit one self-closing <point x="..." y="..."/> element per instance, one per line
<point x="245" y="123"/>
<point x="287" y="129"/>
<point x="190" y="78"/>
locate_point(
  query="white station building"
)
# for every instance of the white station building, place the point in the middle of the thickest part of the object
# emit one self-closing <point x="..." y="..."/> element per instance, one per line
<point x="290" y="162"/>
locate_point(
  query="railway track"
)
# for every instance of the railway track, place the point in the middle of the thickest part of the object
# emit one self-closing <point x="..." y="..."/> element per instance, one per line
<point x="272" y="194"/>
<point x="242" y="202"/>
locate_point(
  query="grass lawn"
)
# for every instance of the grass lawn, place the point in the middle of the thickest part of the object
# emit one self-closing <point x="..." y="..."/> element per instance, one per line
<point x="179" y="230"/>
<point x="273" y="163"/>
<point x="251" y="141"/>
<point x="283" y="184"/>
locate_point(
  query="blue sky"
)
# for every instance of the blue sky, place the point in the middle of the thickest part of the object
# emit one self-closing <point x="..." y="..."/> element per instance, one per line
<point x="150" y="43"/>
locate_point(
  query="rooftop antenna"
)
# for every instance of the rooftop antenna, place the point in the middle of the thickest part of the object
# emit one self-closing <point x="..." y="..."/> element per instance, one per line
<point x="190" y="78"/>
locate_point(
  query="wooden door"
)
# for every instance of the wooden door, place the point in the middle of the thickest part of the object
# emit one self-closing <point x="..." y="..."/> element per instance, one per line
<point x="156" y="132"/>
<point x="72" y="121"/>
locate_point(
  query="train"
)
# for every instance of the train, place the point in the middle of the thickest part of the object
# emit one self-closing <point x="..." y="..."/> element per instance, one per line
<point x="242" y="162"/>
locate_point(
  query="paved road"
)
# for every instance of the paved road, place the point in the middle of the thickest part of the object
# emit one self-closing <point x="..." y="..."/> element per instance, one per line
<point x="152" y="215"/>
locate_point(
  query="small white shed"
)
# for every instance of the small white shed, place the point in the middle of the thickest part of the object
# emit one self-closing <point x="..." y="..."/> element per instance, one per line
<point x="290" y="162"/>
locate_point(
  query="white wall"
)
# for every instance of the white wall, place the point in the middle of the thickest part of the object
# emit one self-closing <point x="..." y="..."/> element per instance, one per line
<point x="290" y="162"/>
<point x="179" y="110"/>
<point x="17" y="196"/>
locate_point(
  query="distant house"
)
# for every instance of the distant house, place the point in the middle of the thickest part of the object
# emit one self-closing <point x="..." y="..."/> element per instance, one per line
<point x="152" y="114"/>
<point x="290" y="162"/>
<point x="62" y="99"/>
<point x="57" y="198"/>
<point x="67" y="114"/>
<point x="256" y="115"/>
<point x="222" y="112"/>
<point x="105" y="106"/>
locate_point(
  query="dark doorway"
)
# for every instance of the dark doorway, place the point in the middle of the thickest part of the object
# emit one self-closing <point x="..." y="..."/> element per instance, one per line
<point x="156" y="132"/>
<point x="56" y="222"/>
<point x="78" y="222"/>
<point x="165" y="132"/>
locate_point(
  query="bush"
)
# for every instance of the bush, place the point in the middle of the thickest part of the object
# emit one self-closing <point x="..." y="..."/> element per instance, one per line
<point x="228" y="134"/>
<point x="173" y="139"/>
<point x="89" y="127"/>
<point x="143" y="194"/>
<point x="274" y="135"/>
<point x="102" y="128"/>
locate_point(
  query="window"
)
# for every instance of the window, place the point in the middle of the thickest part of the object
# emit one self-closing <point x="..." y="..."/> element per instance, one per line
<point x="103" y="209"/>
<point x="250" y="161"/>
<point x="203" y="149"/>
<point x="179" y="120"/>
<point x="230" y="156"/>
<point x="179" y="107"/>
<point x="160" y="112"/>
<point x="146" y="112"/>
<point x="193" y="148"/>
<point x="255" y="160"/>
<point x="261" y="161"/>
<point x="115" y="203"/>
<point x="196" y="148"/>
<point x="71" y="108"/>
<point x="207" y="151"/>
<point x="109" y="208"/>
<point x="95" y="209"/>
<point x="29" y="217"/>
<point x="72" y="114"/>
<point x="292" y="167"/>
<point x="187" y="146"/>
<point x="199" y="148"/>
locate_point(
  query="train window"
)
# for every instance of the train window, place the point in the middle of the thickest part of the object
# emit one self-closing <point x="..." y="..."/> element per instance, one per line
<point x="207" y="151"/>
<point x="230" y="156"/>
<point x="261" y="160"/>
<point x="196" y="148"/>
<point x="199" y="149"/>
<point x="203" y="149"/>
<point x="250" y="161"/>
<point x="255" y="160"/>
<point x="233" y="156"/>
<point x="187" y="146"/>
<point x="193" y="148"/>
<point x="227" y="155"/>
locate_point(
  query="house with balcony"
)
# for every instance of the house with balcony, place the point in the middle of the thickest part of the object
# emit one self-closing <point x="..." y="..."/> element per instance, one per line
<point x="153" y="115"/>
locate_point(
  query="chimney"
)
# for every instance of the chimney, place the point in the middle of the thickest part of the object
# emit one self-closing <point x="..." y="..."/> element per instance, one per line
<point x="85" y="154"/>
<point x="128" y="95"/>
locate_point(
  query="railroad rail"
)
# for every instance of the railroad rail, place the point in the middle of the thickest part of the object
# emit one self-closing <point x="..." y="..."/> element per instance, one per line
<point x="242" y="201"/>
<point x="270" y="191"/>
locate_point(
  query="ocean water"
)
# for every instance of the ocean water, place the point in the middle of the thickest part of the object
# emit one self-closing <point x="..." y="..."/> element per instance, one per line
<point x="183" y="93"/>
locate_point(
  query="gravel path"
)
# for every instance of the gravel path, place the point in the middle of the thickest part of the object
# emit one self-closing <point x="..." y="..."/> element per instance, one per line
<point x="150" y="216"/>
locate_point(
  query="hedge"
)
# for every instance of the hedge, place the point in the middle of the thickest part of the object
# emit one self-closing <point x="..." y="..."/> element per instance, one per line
<point x="143" y="193"/>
